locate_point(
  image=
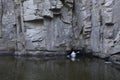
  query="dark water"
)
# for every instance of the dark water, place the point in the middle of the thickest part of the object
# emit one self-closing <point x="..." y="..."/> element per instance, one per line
<point x="56" y="69"/>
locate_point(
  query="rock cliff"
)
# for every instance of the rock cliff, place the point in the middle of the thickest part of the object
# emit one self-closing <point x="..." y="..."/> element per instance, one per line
<point x="39" y="26"/>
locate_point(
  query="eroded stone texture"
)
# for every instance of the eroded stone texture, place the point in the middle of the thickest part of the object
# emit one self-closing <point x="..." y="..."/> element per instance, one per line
<point x="7" y="25"/>
<point x="31" y="26"/>
<point x="48" y="24"/>
<point x="98" y="25"/>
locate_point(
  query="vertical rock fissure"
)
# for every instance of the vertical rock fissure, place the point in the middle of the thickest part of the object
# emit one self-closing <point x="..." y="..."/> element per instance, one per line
<point x="1" y="15"/>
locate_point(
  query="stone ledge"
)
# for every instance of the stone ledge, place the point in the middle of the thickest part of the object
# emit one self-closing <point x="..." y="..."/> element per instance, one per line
<point x="33" y="53"/>
<point x="41" y="53"/>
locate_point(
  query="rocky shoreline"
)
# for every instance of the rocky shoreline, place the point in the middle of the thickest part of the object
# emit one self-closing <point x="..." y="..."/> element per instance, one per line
<point x="115" y="59"/>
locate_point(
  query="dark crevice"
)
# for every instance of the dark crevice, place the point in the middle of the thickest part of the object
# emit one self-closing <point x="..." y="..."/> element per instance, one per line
<point x="118" y="53"/>
<point x="62" y="1"/>
<point x="36" y="21"/>
<point x="109" y="24"/>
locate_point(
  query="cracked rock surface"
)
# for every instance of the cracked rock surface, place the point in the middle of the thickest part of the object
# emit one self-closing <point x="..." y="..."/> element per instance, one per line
<point x="38" y="26"/>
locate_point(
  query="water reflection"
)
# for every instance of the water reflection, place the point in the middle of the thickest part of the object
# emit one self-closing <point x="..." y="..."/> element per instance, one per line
<point x="56" y="69"/>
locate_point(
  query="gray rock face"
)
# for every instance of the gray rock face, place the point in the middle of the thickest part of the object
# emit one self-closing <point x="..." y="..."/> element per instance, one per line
<point x="32" y="26"/>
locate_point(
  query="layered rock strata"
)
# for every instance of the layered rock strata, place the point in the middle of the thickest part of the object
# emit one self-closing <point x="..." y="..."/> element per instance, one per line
<point x="50" y="26"/>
